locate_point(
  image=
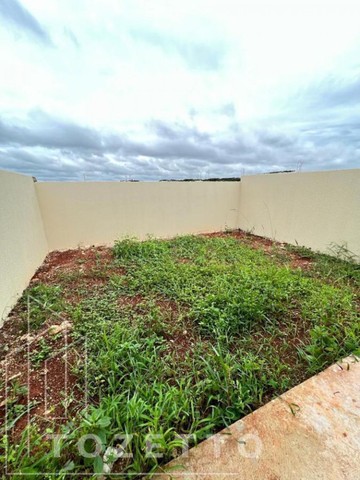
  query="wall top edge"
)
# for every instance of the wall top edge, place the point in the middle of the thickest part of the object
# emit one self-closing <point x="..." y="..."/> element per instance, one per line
<point x="140" y="182"/>
<point x="17" y="174"/>
<point x="307" y="172"/>
<point x="313" y="172"/>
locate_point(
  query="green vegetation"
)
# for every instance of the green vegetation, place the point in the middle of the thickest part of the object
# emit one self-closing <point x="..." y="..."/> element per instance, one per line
<point x="41" y="353"/>
<point x="193" y="334"/>
<point x="38" y="302"/>
<point x="340" y="268"/>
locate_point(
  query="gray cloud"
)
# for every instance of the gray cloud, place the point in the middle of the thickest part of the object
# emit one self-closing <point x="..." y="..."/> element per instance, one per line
<point x="50" y="132"/>
<point x="176" y="131"/>
<point x="334" y="92"/>
<point x="275" y="139"/>
<point x="55" y="149"/>
<point x="12" y="11"/>
<point x="339" y="95"/>
<point x="50" y="147"/>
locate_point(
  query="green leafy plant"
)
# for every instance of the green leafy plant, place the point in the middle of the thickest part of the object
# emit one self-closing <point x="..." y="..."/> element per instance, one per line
<point x="41" y="353"/>
<point x="194" y="333"/>
<point x="41" y="302"/>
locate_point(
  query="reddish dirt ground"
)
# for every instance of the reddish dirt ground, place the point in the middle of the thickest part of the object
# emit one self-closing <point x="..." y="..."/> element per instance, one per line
<point x="90" y="264"/>
<point x="48" y="379"/>
<point x="44" y="383"/>
<point x="69" y="260"/>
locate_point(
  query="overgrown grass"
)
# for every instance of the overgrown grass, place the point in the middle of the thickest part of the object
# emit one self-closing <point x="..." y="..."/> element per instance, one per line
<point x="341" y="267"/>
<point x="197" y="333"/>
<point x="40" y="301"/>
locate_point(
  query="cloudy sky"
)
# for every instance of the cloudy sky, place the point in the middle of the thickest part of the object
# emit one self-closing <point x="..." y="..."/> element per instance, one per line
<point x="150" y="89"/>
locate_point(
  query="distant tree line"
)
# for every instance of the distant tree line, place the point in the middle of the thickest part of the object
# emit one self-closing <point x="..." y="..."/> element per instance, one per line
<point x="215" y="179"/>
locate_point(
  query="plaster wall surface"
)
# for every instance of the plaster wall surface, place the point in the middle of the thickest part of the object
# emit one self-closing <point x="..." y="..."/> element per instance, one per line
<point x="23" y="244"/>
<point x="90" y="213"/>
<point x="314" y="209"/>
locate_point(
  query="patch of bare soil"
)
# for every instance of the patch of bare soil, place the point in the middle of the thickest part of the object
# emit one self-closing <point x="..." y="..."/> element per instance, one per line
<point x="181" y="341"/>
<point x="15" y="334"/>
<point x="134" y="301"/>
<point x="38" y="382"/>
<point x="93" y="264"/>
<point x="70" y="261"/>
<point x="297" y="261"/>
<point x="177" y="329"/>
<point x="36" y="377"/>
<point x="183" y="260"/>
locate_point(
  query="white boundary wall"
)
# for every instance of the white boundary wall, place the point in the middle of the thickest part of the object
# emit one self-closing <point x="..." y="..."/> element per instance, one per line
<point x="313" y="209"/>
<point x="100" y="212"/>
<point x="23" y="245"/>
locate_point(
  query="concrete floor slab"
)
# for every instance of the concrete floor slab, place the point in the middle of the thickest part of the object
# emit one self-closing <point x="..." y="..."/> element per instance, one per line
<point x="311" y="432"/>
